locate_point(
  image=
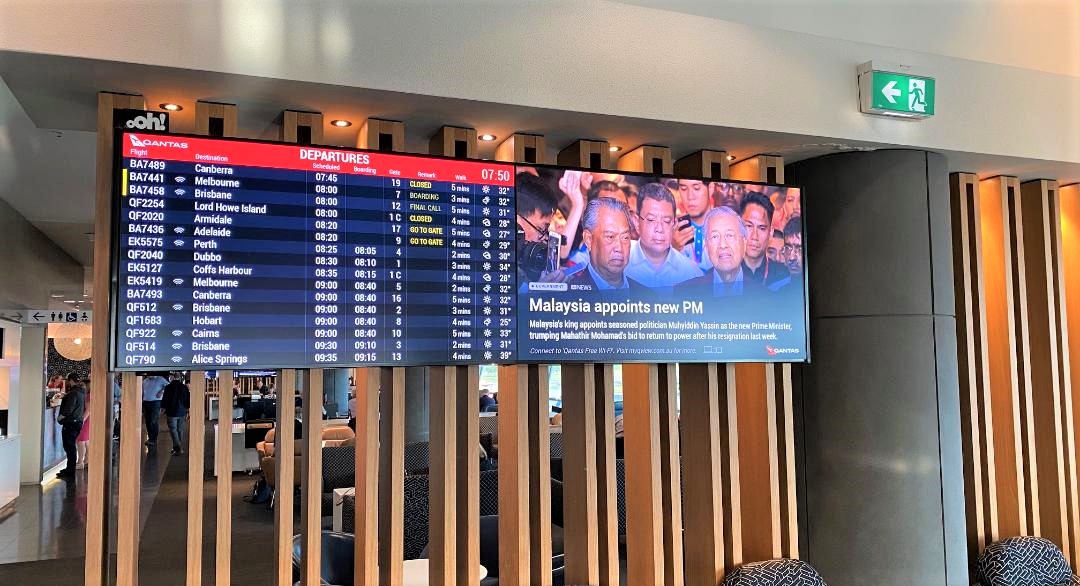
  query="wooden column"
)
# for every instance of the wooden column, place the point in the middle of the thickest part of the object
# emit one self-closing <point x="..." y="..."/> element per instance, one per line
<point x="1048" y="363"/>
<point x="522" y="148"/>
<point x="223" y="464"/>
<point x="514" y="537"/>
<point x="705" y="163"/>
<point x="1069" y="196"/>
<point x="454" y="141"/>
<point x="99" y="472"/>
<point x="756" y="403"/>
<point x="539" y="475"/>
<point x="285" y="473"/>
<point x="590" y="154"/>
<point x="607" y="505"/>
<point x="647" y="158"/>
<point x="579" y="474"/>
<point x="442" y="484"/>
<point x="129" y="493"/>
<point x="366" y="529"/>
<point x="383" y="135"/>
<point x="391" y="475"/>
<point x="644" y="521"/>
<point x="466" y="393"/>
<point x="976" y="418"/>
<point x="301" y="127"/>
<point x="1015" y="493"/>
<point x="712" y="512"/>
<point x="670" y="474"/>
<point x="196" y="469"/>
<point x="311" y="481"/>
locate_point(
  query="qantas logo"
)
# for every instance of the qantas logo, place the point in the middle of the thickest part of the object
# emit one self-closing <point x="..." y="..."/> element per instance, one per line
<point x="149" y="142"/>
<point x="778" y="351"/>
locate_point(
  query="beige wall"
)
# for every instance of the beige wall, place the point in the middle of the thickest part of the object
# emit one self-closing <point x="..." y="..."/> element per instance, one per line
<point x="30" y="264"/>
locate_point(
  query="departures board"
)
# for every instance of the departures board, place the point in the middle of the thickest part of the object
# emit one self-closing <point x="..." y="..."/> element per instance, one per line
<point x="248" y="254"/>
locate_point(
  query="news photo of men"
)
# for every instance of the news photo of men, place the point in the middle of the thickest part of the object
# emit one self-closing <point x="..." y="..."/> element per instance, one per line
<point x="609" y="231"/>
<point x="632" y="267"/>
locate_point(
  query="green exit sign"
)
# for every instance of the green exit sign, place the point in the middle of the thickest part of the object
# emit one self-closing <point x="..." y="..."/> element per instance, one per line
<point x="892" y="91"/>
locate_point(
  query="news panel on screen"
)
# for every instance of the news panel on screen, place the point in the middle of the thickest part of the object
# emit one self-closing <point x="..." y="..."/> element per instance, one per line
<point x="245" y="254"/>
<point x="624" y="267"/>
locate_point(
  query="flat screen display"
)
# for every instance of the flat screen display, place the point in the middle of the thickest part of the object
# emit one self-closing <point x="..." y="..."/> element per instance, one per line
<point x="244" y="254"/>
<point x="625" y="267"/>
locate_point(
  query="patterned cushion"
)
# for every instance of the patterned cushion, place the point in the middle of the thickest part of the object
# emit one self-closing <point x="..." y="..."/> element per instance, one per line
<point x="416" y="516"/>
<point x="416" y="457"/>
<point x="338" y="467"/>
<point x="620" y="494"/>
<point x="1023" y="561"/>
<point x="556" y="445"/>
<point x="784" y="572"/>
<point x="490" y="424"/>
<point x="489" y="493"/>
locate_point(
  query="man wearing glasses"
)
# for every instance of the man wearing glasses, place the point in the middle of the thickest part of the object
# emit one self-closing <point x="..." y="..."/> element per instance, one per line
<point x="792" y="251"/>
<point x="606" y="234"/>
<point x="725" y="243"/>
<point x="653" y="262"/>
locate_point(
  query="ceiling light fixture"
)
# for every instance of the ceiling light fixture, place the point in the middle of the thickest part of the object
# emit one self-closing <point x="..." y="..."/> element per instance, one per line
<point x="171" y="107"/>
<point x="340" y="123"/>
<point x="614" y="149"/>
<point x="731" y="157"/>
<point x="487" y="137"/>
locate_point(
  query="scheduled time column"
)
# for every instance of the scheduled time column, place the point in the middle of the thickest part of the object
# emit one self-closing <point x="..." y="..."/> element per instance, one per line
<point x="326" y="221"/>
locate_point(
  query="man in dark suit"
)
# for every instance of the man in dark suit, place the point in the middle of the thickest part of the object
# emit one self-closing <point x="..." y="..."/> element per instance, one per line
<point x="606" y="234"/>
<point x="725" y="242"/>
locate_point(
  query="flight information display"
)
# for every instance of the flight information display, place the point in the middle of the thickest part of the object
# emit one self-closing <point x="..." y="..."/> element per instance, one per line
<point x="248" y="254"/>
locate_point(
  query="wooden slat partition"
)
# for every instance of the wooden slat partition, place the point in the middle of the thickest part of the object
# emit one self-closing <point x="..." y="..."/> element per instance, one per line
<point x="514" y="551"/>
<point x="756" y="403"/>
<point x="788" y="483"/>
<point x="466" y="393"/>
<point x="648" y="158"/>
<point x="590" y="154"/>
<point x="976" y="422"/>
<point x="704" y="163"/>
<point x="1048" y="363"/>
<point x="1069" y="216"/>
<point x="392" y="474"/>
<point x="285" y="474"/>
<point x="703" y="395"/>
<point x="1014" y="494"/>
<point x="223" y="465"/>
<point x="644" y="503"/>
<point x="366" y="529"/>
<point x="99" y="473"/>
<point x="454" y="141"/>
<point x="311" y="481"/>
<point x="196" y="469"/>
<point x="130" y="485"/>
<point x="539" y="462"/>
<point x="579" y="474"/>
<point x="442" y="483"/>
<point x="607" y="506"/>
<point x="215" y="119"/>
<point x="670" y="473"/>
<point x="379" y="134"/>
<point x="295" y="125"/>
<point x="522" y="148"/>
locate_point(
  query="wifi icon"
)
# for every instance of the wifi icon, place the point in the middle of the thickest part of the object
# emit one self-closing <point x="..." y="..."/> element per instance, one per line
<point x="177" y="346"/>
<point x="178" y="242"/>
<point x="176" y="359"/>
<point x="178" y="306"/>
<point x="178" y="229"/>
<point x="179" y="192"/>
<point x="180" y="179"/>
<point x="178" y="281"/>
<point x="177" y="332"/>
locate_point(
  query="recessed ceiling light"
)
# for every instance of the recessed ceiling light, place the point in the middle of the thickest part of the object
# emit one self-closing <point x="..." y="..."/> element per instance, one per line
<point x="487" y="137"/>
<point x="69" y="301"/>
<point x="614" y="148"/>
<point x="56" y="296"/>
<point x="731" y="157"/>
<point x="340" y="123"/>
<point x="171" y="107"/>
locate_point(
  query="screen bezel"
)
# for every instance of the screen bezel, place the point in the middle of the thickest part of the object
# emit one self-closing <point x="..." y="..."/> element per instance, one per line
<point x="805" y="273"/>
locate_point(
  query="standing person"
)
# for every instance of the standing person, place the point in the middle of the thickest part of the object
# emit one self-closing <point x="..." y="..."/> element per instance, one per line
<point x="690" y="237"/>
<point x="70" y="419"/>
<point x="153" y="387"/>
<point x="757" y="215"/>
<point x="176" y="401"/>
<point x="82" y="443"/>
<point x="653" y="262"/>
